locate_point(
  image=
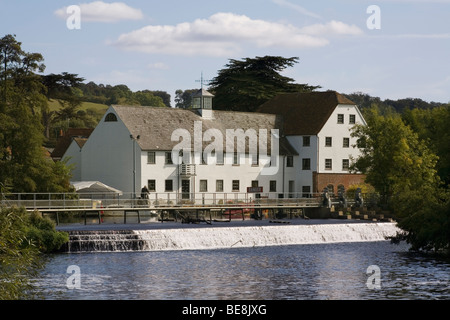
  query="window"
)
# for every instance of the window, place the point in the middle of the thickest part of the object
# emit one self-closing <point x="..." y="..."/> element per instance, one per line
<point x="328" y="164"/>
<point x="203" y="185"/>
<point x="219" y="185"/>
<point x="255" y="159"/>
<point x="273" y="186"/>
<point x="151" y="184"/>
<point x="306" y="191"/>
<point x="235" y="185"/>
<point x="291" y="187"/>
<point x="306" y="141"/>
<point x="255" y="184"/>
<point x="345" y="164"/>
<point x="111" y="117"/>
<point x="346" y="143"/>
<point x="328" y="141"/>
<point x="169" y="158"/>
<point x="289" y="161"/>
<point x="340" y="118"/>
<point x="169" y="185"/>
<point x="219" y="158"/>
<point x="204" y="158"/>
<point x="306" y="164"/>
<point x="352" y="119"/>
<point x="235" y="159"/>
<point x="151" y="157"/>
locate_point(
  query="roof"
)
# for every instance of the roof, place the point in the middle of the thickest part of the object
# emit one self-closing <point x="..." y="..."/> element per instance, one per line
<point x="305" y="113"/>
<point x="156" y="125"/>
<point x="93" y="187"/>
<point x="64" y="142"/>
<point x="80" y="141"/>
<point x="202" y="93"/>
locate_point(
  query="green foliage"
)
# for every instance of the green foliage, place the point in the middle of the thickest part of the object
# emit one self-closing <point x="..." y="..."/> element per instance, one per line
<point x="23" y="237"/>
<point x="183" y="99"/>
<point x="245" y="85"/>
<point x="365" y="101"/>
<point x="42" y="233"/>
<point x="22" y="159"/>
<point x="393" y="156"/>
<point x="121" y="94"/>
<point x="431" y="125"/>
<point x="402" y="168"/>
<point x="425" y="221"/>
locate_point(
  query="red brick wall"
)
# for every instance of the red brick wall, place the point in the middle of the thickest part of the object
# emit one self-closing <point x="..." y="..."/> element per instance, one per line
<point x="322" y="180"/>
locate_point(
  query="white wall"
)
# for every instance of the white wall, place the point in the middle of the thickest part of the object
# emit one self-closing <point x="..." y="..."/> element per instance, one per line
<point x="304" y="177"/>
<point x="108" y="156"/>
<point x="73" y="156"/>
<point x="245" y="173"/>
<point x="338" y="131"/>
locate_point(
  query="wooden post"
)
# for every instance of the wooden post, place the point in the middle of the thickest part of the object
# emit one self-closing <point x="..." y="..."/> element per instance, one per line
<point x="124" y="217"/>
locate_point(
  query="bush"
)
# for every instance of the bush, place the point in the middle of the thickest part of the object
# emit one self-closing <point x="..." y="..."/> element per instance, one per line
<point x="23" y="237"/>
<point x="43" y="234"/>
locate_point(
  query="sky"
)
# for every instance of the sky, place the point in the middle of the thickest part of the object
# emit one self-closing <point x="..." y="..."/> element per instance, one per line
<point x="391" y="49"/>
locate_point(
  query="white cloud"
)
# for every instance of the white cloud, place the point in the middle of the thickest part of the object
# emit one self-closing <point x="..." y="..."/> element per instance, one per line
<point x="332" y="28"/>
<point x="225" y="34"/>
<point x="100" y="11"/>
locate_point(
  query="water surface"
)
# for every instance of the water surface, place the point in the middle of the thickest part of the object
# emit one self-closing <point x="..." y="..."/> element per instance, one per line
<point x="295" y="272"/>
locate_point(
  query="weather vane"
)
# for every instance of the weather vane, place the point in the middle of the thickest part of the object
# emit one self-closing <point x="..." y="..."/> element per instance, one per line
<point x="202" y="81"/>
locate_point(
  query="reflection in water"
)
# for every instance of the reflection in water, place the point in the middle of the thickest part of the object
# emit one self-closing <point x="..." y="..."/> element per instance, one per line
<point x="325" y="271"/>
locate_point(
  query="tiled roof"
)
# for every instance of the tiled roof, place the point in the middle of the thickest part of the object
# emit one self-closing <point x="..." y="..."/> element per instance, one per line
<point x="65" y="141"/>
<point x="304" y="113"/>
<point x="156" y="125"/>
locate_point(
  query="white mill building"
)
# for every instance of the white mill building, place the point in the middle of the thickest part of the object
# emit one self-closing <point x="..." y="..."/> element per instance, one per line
<point x="308" y="147"/>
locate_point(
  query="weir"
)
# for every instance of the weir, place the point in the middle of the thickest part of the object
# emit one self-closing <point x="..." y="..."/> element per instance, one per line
<point x="226" y="237"/>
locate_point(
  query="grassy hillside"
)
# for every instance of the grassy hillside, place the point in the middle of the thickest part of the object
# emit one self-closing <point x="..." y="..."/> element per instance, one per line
<point x="85" y="106"/>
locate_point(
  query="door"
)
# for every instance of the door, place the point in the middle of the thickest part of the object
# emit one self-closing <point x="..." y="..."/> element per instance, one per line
<point x="185" y="189"/>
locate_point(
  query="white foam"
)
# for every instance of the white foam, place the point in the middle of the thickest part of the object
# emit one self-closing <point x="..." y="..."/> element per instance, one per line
<point x="227" y="237"/>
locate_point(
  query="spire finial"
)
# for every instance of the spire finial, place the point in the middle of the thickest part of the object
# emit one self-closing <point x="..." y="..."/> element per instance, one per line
<point x="202" y="81"/>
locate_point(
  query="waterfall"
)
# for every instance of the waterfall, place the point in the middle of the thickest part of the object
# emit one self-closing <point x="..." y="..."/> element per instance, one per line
<point x="227" y="237"/>
<point x="101" y="241"/>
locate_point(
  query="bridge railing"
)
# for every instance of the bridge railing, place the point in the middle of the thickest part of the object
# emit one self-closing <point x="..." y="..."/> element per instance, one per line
<point x="72" y="201"/>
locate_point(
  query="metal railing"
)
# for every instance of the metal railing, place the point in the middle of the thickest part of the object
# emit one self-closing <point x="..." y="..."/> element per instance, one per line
<point x="73" y="201"/>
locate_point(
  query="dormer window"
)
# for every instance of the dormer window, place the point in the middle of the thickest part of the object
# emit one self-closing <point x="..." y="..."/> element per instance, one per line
<point x="111" y="117"/>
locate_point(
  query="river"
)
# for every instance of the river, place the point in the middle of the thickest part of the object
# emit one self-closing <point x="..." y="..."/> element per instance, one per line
<point x="292" y="272"/>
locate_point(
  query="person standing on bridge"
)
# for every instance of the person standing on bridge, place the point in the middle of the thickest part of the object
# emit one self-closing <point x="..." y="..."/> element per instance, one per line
<point x="144" y="194"/>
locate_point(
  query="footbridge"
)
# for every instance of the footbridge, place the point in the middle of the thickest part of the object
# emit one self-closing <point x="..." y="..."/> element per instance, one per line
<point x="186" y="207"/>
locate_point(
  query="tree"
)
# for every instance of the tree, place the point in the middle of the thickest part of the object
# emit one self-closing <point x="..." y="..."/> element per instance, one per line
<point x="147" y="98"/>
<point x="183" y="99"/>
<point x="23" y="164"/>
<point x="432" y="126"/>
<point x="245" y="85"/>
<point x="61" y="87"/>
<point x="402" y="169"/>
